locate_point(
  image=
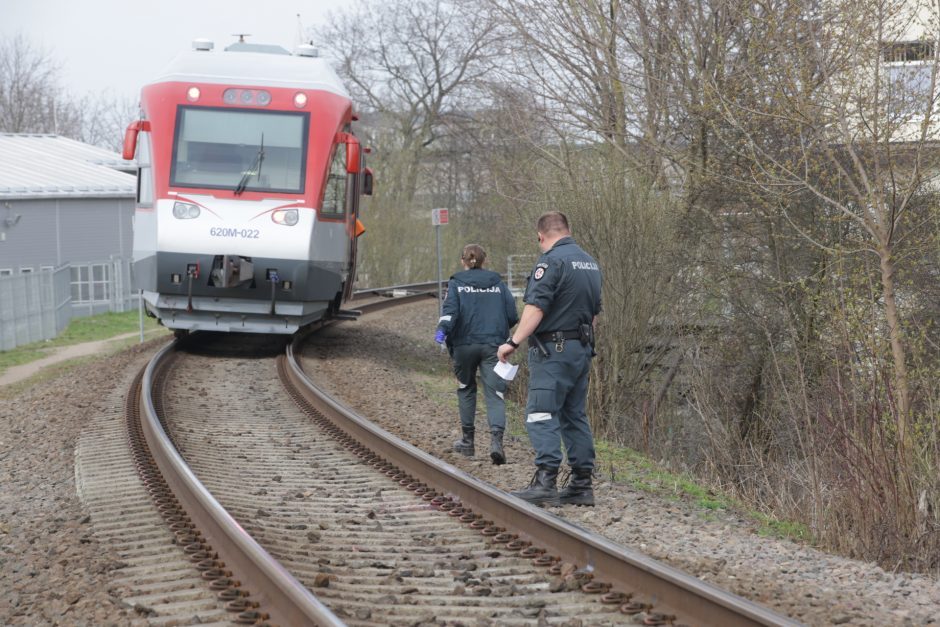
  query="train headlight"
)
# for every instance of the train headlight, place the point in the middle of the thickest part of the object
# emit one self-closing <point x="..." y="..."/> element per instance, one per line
<point x="185" y="210"/>
<point x="192" y="94"/>
<point x="287" y="217"/>
<point x="300" y="100"/>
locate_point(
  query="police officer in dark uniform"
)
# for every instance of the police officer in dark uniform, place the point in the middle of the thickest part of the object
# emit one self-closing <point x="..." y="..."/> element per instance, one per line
<point x="477" y="314"/>
<point x="562" y="300"/>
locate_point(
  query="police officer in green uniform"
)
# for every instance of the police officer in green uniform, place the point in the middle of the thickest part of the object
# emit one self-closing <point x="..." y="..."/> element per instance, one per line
<point x="477" y="314"/>
<point x="562" y="301"/>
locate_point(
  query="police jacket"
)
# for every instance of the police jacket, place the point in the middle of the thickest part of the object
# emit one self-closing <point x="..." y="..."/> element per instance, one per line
<point x="479" y="309"/>
<point x="566" y="285"/>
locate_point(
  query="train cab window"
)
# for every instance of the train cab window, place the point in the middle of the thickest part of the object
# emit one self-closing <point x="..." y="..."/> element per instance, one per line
<point x="334" y="196"/>
<point x="245" y="149"/>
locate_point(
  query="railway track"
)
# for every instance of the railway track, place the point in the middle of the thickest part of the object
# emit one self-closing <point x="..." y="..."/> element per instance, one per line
<point x="297" y="494"/>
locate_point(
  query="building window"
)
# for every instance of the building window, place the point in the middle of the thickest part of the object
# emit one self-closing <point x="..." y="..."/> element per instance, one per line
<point x="46" y="268"/>
<point x="906" y="51"/>
<point x="909" y="68"/>
<point x="6" y="271"/>
<point x="26" y="270"/>
<point x="909" y="87"/>
<point x="91" y="283"/>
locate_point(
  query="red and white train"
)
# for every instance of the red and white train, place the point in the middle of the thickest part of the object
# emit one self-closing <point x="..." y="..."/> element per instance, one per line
<point x="249" y="184"/>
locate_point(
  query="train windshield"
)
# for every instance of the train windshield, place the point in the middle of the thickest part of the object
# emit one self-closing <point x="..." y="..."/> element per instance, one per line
<point x="215" y="148"/>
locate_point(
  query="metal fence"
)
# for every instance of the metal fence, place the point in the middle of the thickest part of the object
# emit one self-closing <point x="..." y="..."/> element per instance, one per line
<point x="517" y="269"/>
<point x="39" y="305"/>
<point x="33" y="306"/>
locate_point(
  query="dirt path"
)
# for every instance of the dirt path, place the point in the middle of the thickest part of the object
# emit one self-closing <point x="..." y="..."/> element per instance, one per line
<point x="15" y="374"/>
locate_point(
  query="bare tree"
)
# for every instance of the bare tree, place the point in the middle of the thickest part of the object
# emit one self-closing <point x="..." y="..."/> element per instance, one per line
<point x="411" y="65"/>
<point x="104" y="119"/>
<point x="571" y="56"/>
<point x="31" y="99"/>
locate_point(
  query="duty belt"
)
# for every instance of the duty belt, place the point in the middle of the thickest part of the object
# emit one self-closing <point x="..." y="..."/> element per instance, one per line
<point x="557" y="336"/>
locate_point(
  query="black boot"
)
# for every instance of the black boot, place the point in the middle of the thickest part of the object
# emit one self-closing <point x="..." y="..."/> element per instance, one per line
<point x="464" y="445"/>
<point x="579" y="490"/>
<point x="496" y="448"/>
<point x="541" y="489"/>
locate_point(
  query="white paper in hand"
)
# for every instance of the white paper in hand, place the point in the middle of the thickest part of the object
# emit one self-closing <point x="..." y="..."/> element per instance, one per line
<point x="506" y="370"/>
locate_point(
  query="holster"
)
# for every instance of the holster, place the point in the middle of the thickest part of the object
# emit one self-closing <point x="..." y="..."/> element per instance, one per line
<point x="586" y="334"/>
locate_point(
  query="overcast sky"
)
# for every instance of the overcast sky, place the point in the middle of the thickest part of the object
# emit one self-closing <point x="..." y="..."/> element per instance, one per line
<point x="119" y="45"/>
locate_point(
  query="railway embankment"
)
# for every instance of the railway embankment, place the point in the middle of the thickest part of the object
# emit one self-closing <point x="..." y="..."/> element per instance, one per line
<point x="53" y="570"/>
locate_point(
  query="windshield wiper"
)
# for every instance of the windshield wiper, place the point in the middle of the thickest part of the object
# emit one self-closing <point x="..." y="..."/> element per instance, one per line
<point x="259" y="159"/>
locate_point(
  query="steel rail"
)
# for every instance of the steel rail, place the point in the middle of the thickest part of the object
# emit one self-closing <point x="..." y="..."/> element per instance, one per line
<point x="394" y="302"/>
<point x="692" y="600"/>
<point x="286" y="600"/>
<point x="408" y="287"/>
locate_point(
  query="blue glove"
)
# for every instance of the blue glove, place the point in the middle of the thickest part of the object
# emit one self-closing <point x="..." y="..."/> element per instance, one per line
<point x="440" y="336"/>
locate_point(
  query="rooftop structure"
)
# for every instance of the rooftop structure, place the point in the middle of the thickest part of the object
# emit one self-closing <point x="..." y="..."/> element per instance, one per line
<point x="50" y="166"/>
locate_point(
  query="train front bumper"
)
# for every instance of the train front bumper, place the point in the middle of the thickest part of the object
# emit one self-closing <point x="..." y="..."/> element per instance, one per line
<point x="187" y="291"/>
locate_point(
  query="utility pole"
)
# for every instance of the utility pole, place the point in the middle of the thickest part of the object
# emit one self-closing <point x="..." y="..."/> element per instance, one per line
<point x="439" y="217"/>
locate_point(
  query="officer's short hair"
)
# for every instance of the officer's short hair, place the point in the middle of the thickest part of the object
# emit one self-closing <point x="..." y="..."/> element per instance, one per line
<point x="553" y="222"/>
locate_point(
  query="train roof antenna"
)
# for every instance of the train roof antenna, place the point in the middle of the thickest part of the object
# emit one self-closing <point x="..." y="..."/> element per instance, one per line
<point x="241" y="36"/>
<point x="300" y="31"/>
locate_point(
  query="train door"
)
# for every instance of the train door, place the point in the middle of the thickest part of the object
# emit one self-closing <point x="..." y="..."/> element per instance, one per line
<point x="343" y="190"/>
<point x="357" y="185"/>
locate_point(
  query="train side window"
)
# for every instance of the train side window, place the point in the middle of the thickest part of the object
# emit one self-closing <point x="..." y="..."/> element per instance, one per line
<point x="334" y="196"/>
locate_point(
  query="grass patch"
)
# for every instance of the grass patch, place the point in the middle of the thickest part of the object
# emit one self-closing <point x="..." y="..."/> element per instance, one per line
<point x="101" y="327"/>
<point x="627" y="466"/>
<point x="20" y="355"/>
<point x="770" y="526"/>
<point x="79" y="330"/>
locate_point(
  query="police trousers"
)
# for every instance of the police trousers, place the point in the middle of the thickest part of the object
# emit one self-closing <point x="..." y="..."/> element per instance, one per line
<point x="468" y="358"/>
<point x="558" y="386"/>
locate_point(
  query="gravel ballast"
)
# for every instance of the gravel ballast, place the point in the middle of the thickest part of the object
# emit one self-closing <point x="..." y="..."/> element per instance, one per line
<point x="53" y="571"/>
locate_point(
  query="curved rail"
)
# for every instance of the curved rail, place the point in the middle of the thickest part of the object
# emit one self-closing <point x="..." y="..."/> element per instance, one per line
<point x="285" y="598"/>
<point x="692" y="600"/>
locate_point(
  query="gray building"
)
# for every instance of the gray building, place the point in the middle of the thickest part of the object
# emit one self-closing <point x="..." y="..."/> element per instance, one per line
<point x="66" y="239"/>
<point x="62" y="202"/>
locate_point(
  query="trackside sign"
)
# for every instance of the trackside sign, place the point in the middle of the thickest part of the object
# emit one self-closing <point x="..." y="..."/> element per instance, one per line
<point x="439" y="217"/>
